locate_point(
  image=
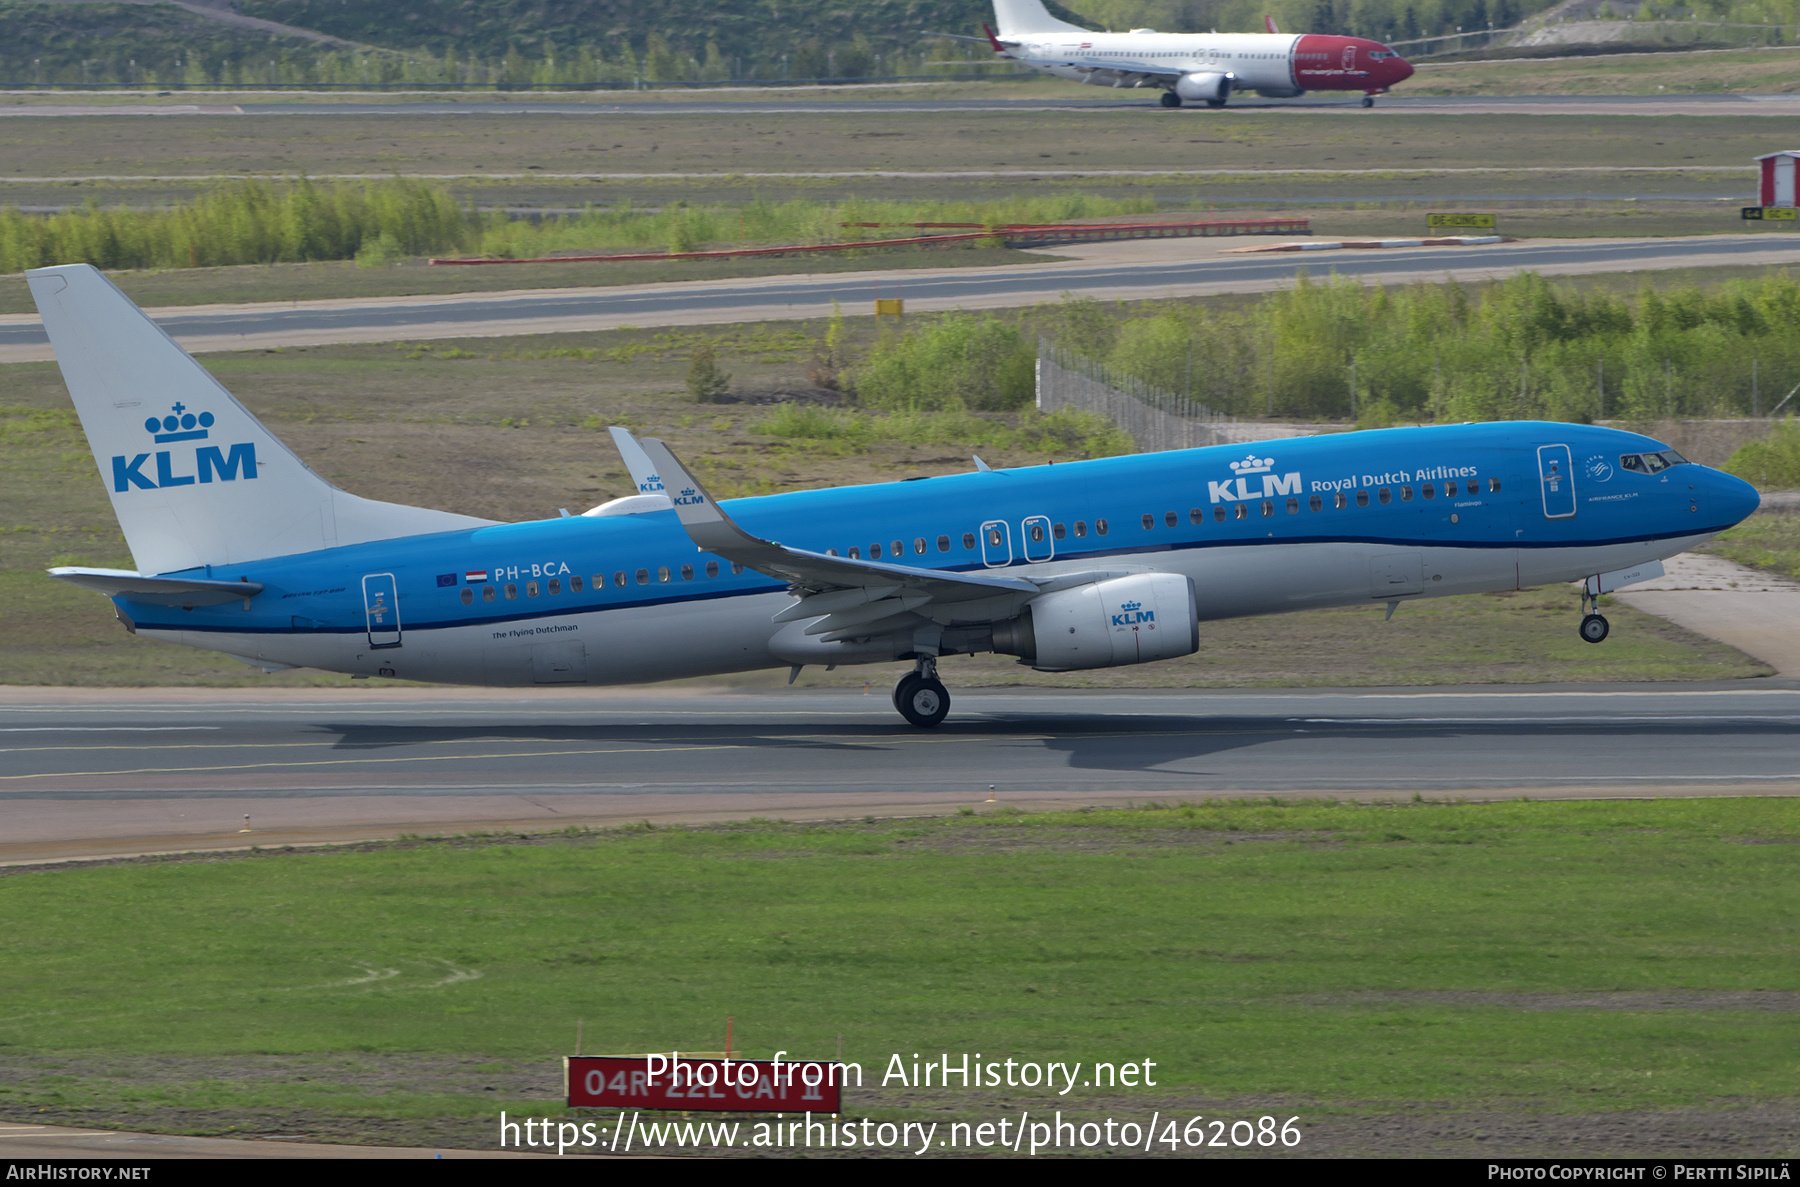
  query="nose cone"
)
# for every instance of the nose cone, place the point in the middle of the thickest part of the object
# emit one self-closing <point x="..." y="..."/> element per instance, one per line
<point x="1399" y="70"/>
<point x="1731" y="499"/>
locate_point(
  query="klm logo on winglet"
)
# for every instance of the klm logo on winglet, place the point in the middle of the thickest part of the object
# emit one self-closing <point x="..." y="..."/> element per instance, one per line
<point x="1132" y="614"/>
<point x="1235" y="490"/>
<point x="651" y="485"/>
<point x="209" y="461"/>
<point x="689" y="497"/>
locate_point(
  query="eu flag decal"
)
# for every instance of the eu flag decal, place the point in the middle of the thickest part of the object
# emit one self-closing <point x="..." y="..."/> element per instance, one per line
<point x="446" y="579"/>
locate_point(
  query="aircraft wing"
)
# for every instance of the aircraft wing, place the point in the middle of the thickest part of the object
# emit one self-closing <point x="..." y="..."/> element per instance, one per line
<point x="850" y="597"/>
<point x="158" y="591"/>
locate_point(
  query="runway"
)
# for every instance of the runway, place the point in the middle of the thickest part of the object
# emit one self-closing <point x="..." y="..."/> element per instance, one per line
<point x="847" y="102"/>
<point x="1129" y="271"/>
<point x="90" y="773"/>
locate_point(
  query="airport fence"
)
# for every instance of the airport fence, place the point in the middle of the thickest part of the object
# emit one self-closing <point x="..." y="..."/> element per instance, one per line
<point x="1155" y="419"/>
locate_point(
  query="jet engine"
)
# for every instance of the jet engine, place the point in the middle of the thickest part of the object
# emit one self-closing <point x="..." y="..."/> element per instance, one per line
<point x="1128" y="620"/>
<point x="1209" y="85"/>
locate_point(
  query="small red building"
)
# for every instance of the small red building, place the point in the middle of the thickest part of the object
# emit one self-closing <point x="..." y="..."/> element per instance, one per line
<point x="1778" y="178"/>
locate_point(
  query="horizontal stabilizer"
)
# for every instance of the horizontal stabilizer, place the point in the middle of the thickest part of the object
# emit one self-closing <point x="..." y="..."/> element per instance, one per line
<point x="158" y="591"/>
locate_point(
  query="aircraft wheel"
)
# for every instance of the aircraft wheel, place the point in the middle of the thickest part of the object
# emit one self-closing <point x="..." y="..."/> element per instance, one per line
<point x="1215" y="102"/>
<point x="1594" y="629"/>
<point x="922" y="701"/>
<point x="1171" y="99"/>
<point x="1368" y="100"/>
<point x="902" y="687"/>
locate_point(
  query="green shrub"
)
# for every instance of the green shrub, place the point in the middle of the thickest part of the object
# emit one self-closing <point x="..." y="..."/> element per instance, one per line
<point x="1772" y="463"/>
<point x="958" y="361"/>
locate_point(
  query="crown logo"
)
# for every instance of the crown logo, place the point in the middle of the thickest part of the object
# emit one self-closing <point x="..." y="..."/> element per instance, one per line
<point x="1132" y="606"/>
<point x="1253" y="465"/>
<point x="182" y="425"/>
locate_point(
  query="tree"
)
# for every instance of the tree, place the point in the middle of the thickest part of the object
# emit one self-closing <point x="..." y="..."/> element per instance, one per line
<point x="705" y="382"/>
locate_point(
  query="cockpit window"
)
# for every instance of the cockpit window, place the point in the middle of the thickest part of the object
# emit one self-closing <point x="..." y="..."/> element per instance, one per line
<point x="1650" y="463"/>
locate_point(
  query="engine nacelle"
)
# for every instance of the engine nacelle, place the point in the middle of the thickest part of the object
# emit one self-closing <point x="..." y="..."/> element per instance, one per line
<point x="1128" y="620"/>
<point x="1209" y="85"/>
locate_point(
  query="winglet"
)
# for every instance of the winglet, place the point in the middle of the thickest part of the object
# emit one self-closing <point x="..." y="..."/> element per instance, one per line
<point x="643" y="473"/>
<point x="707" y="525"/>
<point x="1269" y="23"/>
<point x="981" y="467"/>
<point x="993" y="39"/>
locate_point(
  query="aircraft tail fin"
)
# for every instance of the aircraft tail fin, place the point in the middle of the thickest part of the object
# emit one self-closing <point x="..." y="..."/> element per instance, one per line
<point x="195" y="478"/>
<point x="1017" y="17"/>
<point x="1269" y="24"/>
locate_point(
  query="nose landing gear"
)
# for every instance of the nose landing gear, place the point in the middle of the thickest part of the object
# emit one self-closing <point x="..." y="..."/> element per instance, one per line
<point x="1368" y="100"/>
<point x="920" y="697"/>
<point x="1594" y="628"/>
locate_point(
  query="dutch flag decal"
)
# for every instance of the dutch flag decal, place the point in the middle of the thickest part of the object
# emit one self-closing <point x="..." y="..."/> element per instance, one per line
<point x="475" y="576"/>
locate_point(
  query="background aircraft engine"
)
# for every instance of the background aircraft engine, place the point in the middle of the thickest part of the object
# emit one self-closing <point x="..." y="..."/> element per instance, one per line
<point x="1208" y="85"/>
<point x="1128" y="620"/>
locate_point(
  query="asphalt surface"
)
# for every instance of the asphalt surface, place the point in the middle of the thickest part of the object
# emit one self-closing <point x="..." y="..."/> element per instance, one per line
<point x="887" y="102"/>
<point x="91" y="773"/>
<point x="700" y="302"/>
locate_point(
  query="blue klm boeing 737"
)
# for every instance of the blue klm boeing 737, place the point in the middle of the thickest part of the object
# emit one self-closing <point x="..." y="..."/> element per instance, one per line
<point x="242" y="549"/>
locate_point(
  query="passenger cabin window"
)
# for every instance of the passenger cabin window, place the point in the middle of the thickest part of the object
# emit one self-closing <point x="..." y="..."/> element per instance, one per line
<point x="712" y="568"/>
<point x="1385" y="495"/>
<point x="1268" y="508"/>
<point x="687" y="572"/>
<point x="1195" y="515"/>
<point x="512" y="591"/>
<point x="531" y="589"/>
<point x="1493" y="485"/>
<point x="555" y="586"/>
<point x="1099" y="527"/>
<point x="855" y="553"/>
<point x="662" y="573"/>
<point x="1149" y="522"/>
<point x="1339" y="501"/>
<point x="1059" y="531"/>
<point x="1449" y="490"/>
<point x="736" y="568"/>
<point x="899" y="549"/>
<point x="943" y="544"/>
<point x="995" y="537"/>
<point x="919" y="546"/>
<point x="487" y="593"/>
<point x="1080" y="528"/>
<point x="1362" y="498"/>
<point x="874" y="552"/>
<point x="1406" y="494"/>
<point x="969" y="541"/>
<point x="1037" y="531"/>
<point x="1169" y="519"/>
<point x="468" y="596"/>
<point x="643" y="576"/>
<point x="1293" y="506"/>
<point x="1428" y="490"/>
<point x="1316" y="503"/>
<point x="575" y="584"/>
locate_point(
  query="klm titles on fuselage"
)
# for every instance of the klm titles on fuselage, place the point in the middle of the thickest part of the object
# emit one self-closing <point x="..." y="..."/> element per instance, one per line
<point x="210" y="461"/>
<point x="1270" y="485"/>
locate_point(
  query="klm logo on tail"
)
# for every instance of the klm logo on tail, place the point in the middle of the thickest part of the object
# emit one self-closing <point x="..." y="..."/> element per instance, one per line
<point x="209" y="461"/>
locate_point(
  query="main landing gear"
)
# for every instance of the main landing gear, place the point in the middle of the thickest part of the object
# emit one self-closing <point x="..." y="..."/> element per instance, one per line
<point x="921" y="698"/>
<point x="1594" y="628"/>
<point x="1171" y="99"/>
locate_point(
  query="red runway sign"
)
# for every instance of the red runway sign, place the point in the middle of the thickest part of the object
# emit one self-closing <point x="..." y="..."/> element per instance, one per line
<point x="706" y="1085"/>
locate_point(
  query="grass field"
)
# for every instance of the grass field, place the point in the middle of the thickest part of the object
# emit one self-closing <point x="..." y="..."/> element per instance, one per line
<point x="1763" y="71"/>
<point x="512" y="429"/>
<point x="1770" y="542"/>
<point x="1564" y="965"/>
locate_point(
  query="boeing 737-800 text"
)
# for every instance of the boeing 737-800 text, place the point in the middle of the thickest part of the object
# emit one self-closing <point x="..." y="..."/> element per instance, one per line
<point x="242" y="549"/>
<point x="1197" y="67"/>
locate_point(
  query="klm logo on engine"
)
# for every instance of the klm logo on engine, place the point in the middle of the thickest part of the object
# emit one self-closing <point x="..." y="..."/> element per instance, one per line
<point x="208" y="462"/>
<point x="1133" y="614"/>
<point x="1236" y="490"/>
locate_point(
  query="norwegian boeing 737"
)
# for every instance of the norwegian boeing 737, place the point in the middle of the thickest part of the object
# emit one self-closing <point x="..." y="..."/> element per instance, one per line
<point x="241" y="548"/>
<point x="1197" y="67"/>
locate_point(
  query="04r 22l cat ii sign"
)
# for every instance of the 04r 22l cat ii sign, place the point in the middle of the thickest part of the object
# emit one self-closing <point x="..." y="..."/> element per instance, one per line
<point x="675" y="1081"/>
